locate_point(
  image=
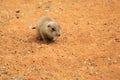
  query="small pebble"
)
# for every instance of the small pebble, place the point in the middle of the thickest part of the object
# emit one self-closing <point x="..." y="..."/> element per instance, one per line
<point x="117" y="40"/>
<point x="46" y="10"/>
<point x="76" y="22"/>
<point x="18" y="11"/>
<point x="109" y="59"/>
<point x="40" y="4"/>
<point x="105" y="24"/>
<point x="17" y="17"/>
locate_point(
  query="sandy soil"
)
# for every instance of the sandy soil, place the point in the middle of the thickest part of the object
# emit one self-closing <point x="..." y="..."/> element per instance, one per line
<point x="89" y="48"/>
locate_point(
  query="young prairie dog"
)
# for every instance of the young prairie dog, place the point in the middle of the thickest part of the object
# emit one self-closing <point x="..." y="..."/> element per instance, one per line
<point x="47" y="29"/>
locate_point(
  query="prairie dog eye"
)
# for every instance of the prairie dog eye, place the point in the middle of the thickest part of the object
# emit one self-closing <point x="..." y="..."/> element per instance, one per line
<point x="53" y="29"/>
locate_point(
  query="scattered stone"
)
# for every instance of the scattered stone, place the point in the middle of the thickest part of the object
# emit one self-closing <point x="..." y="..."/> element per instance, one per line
<point x="91" y="73"/>
<point x="109" y="59"/>
<point x="117" y="39"/>
<point x="105" y="24"/>
<point x="17" y="17"/>
<point x="18" y="11"/>
<point x="61" y="9"/>
<point x="118" y="56"/>
<point x="88" y="23"/>
<point x="25" y="40"/>
<point x="32" y="51"/>
<point x="114" y="62"/>
<point x="78" y="78"/>
<point x="96" y="72"/>
<point x="5" y="72"/>
<point x="49" y="0"/>
<point x="47" y="7"/>
<point x="40" y="5"/>
<point x="76" y="22"/>
<point x="31" y="27"/>
<point x="47" y="10"/>
<point x="16" y="78"/>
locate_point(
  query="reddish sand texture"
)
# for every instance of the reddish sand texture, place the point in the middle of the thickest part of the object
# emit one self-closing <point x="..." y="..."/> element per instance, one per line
<point x="88" y="49"/>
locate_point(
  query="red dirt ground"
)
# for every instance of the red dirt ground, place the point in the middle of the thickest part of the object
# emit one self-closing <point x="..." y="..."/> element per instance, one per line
<point x="89" y="48"/>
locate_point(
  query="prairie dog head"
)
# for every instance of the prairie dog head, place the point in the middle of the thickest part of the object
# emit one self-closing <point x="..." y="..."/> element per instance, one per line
<point x="53" y="29"/>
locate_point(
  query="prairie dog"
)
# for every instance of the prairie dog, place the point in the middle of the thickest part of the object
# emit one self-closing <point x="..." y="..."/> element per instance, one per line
<point x="47" y="29"/>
